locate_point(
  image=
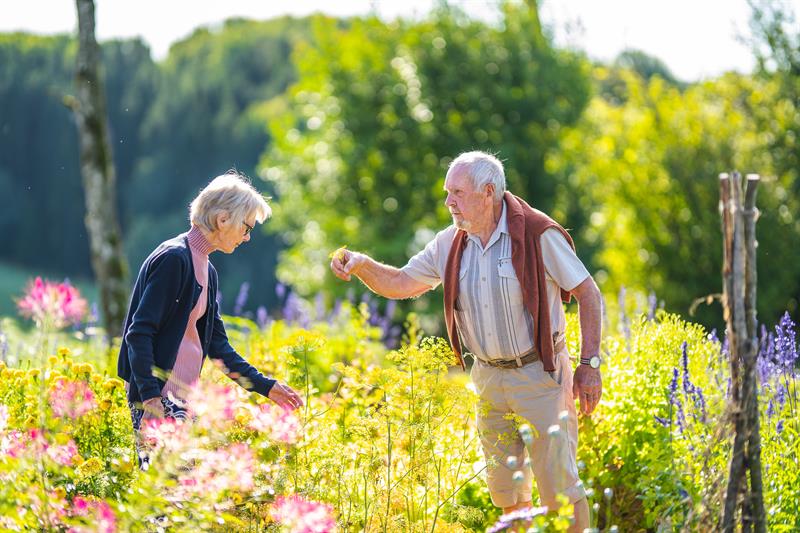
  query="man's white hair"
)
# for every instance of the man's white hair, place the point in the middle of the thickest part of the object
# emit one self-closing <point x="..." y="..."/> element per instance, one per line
<point x="482" y="169"/>
<point x="229" y="193"/>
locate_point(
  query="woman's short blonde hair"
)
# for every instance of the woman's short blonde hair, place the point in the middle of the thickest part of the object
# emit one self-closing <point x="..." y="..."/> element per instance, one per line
<point x="229" y="193"/>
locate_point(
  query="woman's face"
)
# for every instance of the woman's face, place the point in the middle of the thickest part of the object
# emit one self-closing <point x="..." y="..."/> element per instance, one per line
<point x="231" y="234"/>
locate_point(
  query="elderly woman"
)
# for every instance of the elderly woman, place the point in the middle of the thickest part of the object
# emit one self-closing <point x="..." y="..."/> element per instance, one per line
<point x="174" y="319"/>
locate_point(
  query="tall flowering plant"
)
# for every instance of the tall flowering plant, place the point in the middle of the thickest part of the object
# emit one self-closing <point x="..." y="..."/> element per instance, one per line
<point x="54" y="304"/>
<point x="227" y="459"/>
<point x="46" y="456"/>
<point x="299" y="515"/>
<point x="63" y="454"/>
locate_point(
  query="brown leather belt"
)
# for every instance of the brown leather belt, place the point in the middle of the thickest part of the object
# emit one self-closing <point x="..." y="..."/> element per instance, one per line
<point x="524" y="359"/>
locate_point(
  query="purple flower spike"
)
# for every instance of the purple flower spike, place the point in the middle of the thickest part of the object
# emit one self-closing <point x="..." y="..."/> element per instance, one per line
<point x="241" y="298"/>
<point x="780" y="395"/>
<point x="673" y="385"/>
<point x="652" y="302"/>
<point x="688" y="388"/>
<point x="681" y="418"/>
<point x="262" y="317"/>
<point x="337" y="308"/>
<point x="786" y="344"/>
<point x="391" y="306"/>
<point x="663" y="421"/>
<point x="319" y="306"/>
<point x="700" y="401"/>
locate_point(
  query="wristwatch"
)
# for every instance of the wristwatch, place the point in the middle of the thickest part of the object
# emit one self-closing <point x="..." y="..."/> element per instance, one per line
<point x="593" y="361"/>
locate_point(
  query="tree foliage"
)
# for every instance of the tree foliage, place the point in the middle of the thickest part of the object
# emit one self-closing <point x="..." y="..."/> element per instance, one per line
<point x="649" y="170"/>
<point x="174" y="125"/>
<point x="362" y="144"/>
<point x="207" y="118"/>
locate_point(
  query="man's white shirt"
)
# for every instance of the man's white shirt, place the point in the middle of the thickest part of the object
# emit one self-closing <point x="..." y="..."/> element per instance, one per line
<point x="491" y="319"/>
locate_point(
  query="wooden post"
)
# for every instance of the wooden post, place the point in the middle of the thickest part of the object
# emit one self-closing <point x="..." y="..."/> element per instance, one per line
<point x="99" y="180"/>
<point x="739" y="306"/>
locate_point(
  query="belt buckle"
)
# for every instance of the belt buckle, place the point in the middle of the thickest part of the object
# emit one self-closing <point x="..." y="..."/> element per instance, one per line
<point x="500" y="363"/>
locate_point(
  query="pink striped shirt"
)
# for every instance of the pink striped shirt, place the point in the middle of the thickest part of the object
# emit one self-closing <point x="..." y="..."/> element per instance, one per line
<point x="190" y="353"/>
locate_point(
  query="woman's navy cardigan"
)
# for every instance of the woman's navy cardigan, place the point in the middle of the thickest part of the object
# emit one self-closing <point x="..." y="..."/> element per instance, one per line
<point x="164" y="295"/>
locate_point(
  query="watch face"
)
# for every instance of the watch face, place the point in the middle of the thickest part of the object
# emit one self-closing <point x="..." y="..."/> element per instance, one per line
<point x="594" y="362"/>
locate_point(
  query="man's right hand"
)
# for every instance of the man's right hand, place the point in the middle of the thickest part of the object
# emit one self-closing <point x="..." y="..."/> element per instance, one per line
<point x="153" y="409"/>
<point x="388" y="281"/>
<point x="346" y="263"/>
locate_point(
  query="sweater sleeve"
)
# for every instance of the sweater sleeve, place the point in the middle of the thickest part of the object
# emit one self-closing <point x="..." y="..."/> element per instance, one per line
<point x="236" y="367"/>
<point x="161" y="289"/>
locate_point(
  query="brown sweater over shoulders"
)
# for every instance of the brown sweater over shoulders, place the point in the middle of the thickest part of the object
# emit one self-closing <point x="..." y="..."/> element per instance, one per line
<point x="525" y="227"/>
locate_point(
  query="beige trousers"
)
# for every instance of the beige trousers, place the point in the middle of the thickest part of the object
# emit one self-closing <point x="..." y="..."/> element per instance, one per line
<point x="509" y="397"/>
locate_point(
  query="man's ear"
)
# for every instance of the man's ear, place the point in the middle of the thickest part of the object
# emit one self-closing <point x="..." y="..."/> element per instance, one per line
<point x="490" y="189"/>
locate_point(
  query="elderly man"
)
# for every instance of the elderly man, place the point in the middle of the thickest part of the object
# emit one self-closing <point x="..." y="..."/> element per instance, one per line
<point x="506" y="268"/>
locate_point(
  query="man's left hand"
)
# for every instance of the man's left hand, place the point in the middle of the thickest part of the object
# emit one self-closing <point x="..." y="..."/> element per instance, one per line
<point x="587" y="386"/>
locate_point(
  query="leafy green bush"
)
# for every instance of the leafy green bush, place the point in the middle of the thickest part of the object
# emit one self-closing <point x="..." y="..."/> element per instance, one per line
<point x="387" y="439"/>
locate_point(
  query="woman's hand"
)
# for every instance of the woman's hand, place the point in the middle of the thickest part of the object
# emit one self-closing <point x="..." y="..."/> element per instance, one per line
<point x="285" y="396"/>
<point x="153" y="409"/>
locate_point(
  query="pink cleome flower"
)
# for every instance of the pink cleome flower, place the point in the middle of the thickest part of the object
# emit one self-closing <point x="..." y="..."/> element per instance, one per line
<point x="60" y="303"/>
<point x="12" y="444"/>
<point x="97" y="513"/>
<point x="231" y="468"/>
<point x="280" y="424"/>
<point x="212" y="404"/>
<point x="303" y="516"/>
<point x="62" y="454"/>
<point x="167" y="435"/>
<point x="71" y="399"/>
<point x="3" y="417"/>
<point x="34" y="444"/>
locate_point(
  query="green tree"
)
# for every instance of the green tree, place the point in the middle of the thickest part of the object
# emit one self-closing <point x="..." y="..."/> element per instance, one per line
<point x="173" y="126"/>
<point x="645" y="65"/>
<point x="775" y="41"/>
<point x="361" y="145"/>
<point x="206" y="118"/>
<point x="44" y="205"/>
<point x="649" y="171"/>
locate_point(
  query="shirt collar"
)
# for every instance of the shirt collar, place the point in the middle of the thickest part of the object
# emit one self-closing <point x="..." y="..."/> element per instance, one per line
<point x="502" y="227"/>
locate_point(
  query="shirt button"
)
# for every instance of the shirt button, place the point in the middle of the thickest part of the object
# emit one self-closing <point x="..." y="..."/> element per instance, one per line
<point x="483" y="278"/>
<point x="486" y="306"/>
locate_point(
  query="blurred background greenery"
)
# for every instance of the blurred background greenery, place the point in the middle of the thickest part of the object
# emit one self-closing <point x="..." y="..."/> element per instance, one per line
<point x="350" y="124"/>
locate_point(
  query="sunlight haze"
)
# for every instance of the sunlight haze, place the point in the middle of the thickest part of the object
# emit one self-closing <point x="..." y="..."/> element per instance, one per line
<point x="695" y="39"/>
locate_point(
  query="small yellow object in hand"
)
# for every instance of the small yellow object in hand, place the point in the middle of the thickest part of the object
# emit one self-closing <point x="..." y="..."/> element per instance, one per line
<point x="338" y="253"/>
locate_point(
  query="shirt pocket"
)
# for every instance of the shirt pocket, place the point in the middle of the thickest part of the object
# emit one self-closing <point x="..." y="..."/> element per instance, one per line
<point x="510" y="287"/>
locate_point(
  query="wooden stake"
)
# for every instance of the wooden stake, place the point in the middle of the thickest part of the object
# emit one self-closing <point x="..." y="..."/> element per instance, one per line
<point x="739" y="216"/>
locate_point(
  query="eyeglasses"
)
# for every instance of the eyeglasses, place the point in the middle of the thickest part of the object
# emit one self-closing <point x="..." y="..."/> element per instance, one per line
<point x="249" y="228"/>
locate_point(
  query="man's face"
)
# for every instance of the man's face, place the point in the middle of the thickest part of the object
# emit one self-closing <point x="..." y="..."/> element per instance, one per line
<point x="470" y="208"/>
